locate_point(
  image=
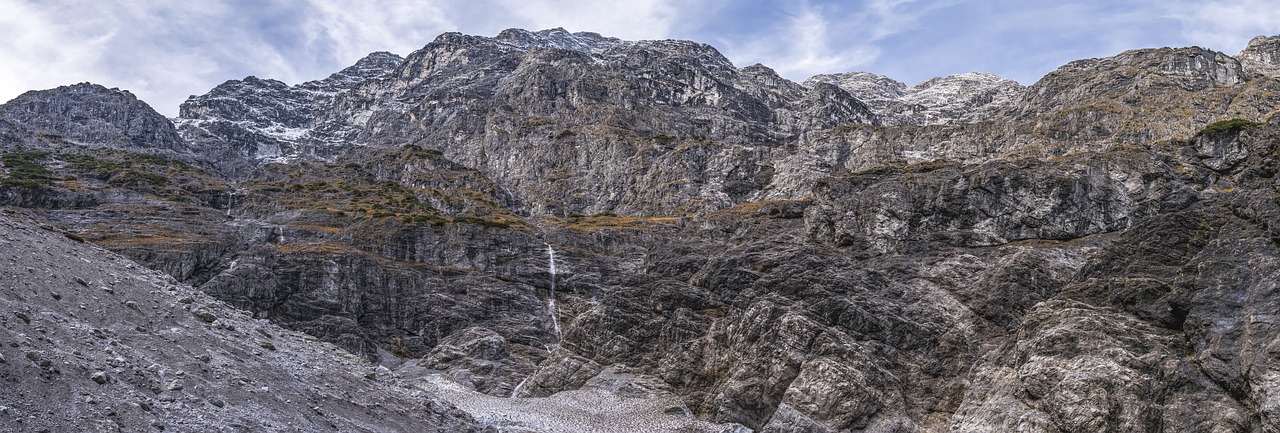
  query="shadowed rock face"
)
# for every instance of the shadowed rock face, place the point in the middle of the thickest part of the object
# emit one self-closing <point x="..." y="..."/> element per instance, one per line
<point x="566" y="217"/>
<point x="92" y="115"/>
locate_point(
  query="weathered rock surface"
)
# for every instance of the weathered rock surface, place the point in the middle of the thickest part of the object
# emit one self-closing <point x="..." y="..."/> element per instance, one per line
<point x="264" y="120"/>
<point x="1140" y="96"/>
<point x="584" y="124"/>
<point x="122" y="352"/>
<point x="513" y="221"/>
<point x="92" y="115"/>
<point x="1262" y="56"/>
<point x="962" y="98"/>
<point x="879" y="92"/>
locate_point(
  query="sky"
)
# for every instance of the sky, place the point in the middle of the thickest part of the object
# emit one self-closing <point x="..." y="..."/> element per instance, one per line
<point x="165" y="50"/>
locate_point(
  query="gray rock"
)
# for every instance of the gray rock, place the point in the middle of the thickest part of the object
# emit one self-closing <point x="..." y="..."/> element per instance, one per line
<point x="205" y="315"/>
<point x="962" y="98"/>
<point x="1262" y="56"/>
<point x="93" y="115"/>
<point x="845" y="255"/>
<point x="306" y="371"/>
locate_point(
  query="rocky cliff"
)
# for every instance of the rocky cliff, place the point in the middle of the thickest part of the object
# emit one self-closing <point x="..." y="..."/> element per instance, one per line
<point x="539" y="219"/>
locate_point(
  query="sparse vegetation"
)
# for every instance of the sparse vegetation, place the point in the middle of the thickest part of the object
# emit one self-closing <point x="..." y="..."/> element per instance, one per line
<point x="435" y="220"/>
<point x="344" y="190"/>
<point x="26" y="169"/>
<point x="1228" y="126"/>
<point x="483" y="222"/>
<point x="416" y="151"/>
<point x="610" y="221"/>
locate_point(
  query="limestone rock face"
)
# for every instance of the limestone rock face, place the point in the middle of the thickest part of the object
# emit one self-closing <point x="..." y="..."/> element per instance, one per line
<point x="551" y="229"/>
<point x="94" y="115"/>
<point x="554" y="102"/>
<point x="995" y="204"/>
<point x="1262" y="56"/>
<point x="879" y="92"/>
<point x="1140" y="96"/>
<point x="266" y="120"/>
<point x="962" y="98"/>
<point x="608" y="122"/>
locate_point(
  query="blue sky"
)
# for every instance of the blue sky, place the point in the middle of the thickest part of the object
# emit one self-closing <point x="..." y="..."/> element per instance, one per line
<point x="164" y="50"/>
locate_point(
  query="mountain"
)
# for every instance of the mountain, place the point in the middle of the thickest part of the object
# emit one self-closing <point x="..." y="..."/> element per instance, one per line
<point x="557" y="231"/>
<point x="91" y="115"/>
<point x="269" y="121"/>
<point x="1261" y="56"/>
<point x="962" y="98"/>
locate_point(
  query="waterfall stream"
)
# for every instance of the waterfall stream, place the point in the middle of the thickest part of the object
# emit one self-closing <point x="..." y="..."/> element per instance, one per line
<point x="551" y="298"/>
<point x="551" y="311"/>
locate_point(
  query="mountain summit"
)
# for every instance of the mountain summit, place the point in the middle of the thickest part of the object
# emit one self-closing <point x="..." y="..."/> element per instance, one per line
<point x="551" y="231"/>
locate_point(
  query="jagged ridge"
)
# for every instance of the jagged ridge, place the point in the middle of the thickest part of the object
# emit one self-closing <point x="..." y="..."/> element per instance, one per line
<point x="778" y="255"/>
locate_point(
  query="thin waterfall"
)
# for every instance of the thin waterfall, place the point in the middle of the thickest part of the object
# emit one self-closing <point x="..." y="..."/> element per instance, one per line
<point x="551" y="257"/>
<point x="551" y="298"/>
<point x="551" y="311"/>
<point x="555" y="323"/>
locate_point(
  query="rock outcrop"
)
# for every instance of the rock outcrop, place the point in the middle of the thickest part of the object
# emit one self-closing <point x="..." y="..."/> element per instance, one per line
<point x="1262" y="56"/>
<point x="962" y="98"/>
<point x="540" y="219"/>
<point x="93" y="115"/>
<point x="264" y="120"/>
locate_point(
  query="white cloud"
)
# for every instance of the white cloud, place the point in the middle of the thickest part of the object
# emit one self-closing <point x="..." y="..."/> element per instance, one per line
<point x="633" y="20"/>
<point x="888" y="17"/>
<point x="353" y="29"/>
<point x="38" y="50"/>
<point x="164" y="50"/>
<point x="827" y="38"/>
<point x="1226" y="26"/>
<point x="159" y="50"/>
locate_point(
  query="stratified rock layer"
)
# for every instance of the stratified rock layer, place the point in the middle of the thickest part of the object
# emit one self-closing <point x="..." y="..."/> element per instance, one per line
<point x="526" y="216"/>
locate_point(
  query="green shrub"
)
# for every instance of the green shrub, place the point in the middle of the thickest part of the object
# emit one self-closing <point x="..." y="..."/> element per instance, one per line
<point x="143" y="158"/>
<point x="1229" y="126"/>
<point x="26" y="169"/>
